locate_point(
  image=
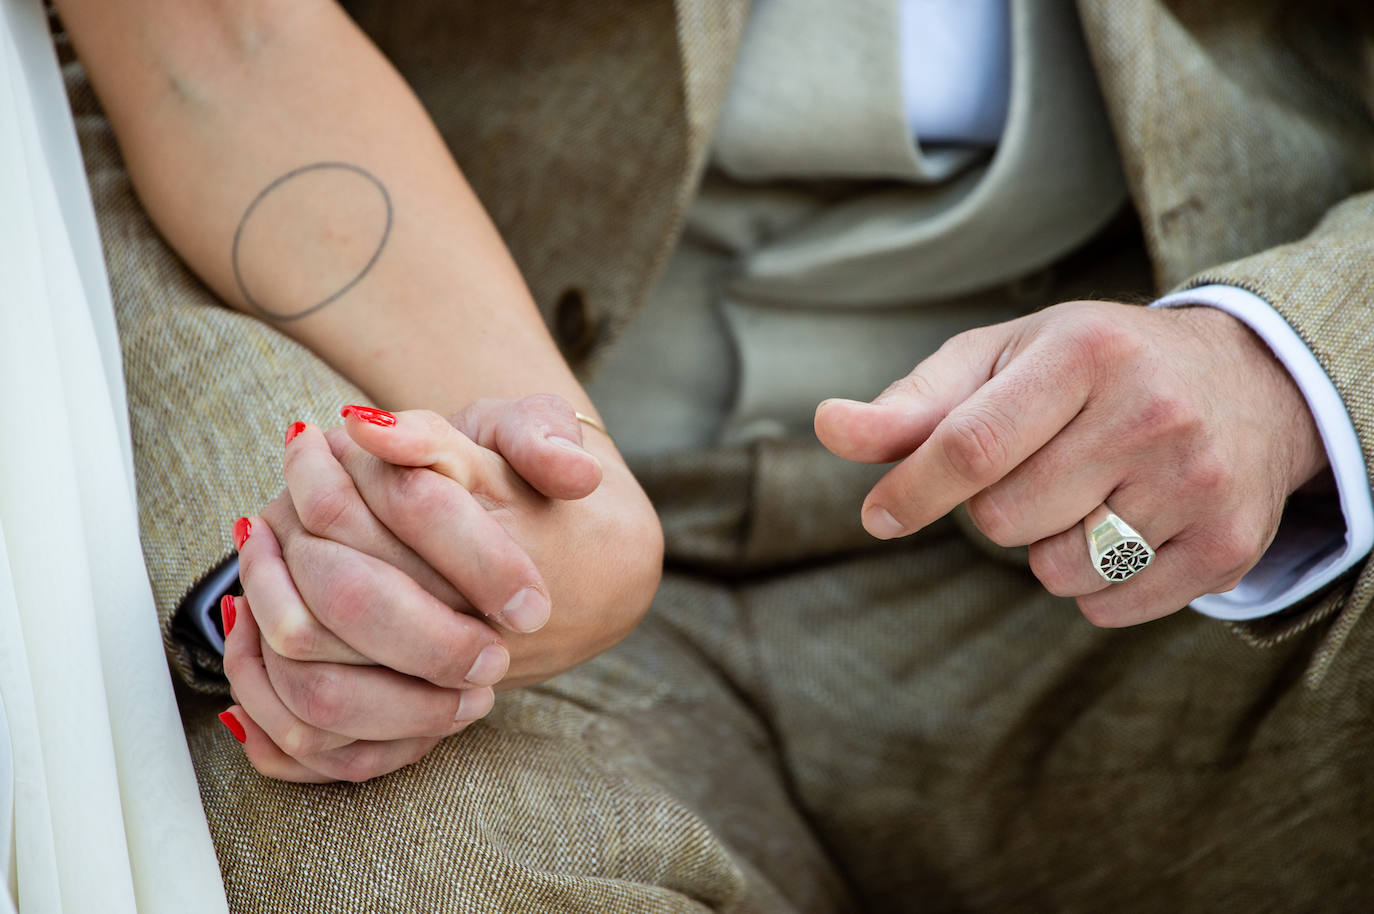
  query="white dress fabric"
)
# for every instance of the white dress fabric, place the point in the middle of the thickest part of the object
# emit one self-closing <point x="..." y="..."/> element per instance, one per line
<point x="99" y="809"/>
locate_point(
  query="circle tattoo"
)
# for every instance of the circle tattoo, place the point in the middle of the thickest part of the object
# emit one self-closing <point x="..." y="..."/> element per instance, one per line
<point x="274" y="191"/>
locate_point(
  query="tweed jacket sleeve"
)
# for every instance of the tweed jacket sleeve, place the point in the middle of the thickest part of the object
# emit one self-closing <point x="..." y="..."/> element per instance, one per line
<point x="1324" y="286"/>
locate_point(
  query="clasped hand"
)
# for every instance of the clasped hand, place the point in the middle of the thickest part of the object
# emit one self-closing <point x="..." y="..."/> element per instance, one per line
<point x="1180" y="421"/>
<point x="414" y="563"/>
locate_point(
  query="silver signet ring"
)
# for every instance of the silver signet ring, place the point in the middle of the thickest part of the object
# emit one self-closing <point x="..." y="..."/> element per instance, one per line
<point x="1117" y="551"/>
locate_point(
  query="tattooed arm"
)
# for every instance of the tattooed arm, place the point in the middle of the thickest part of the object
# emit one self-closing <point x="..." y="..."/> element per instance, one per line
<point x="295" y="172"/>
<point x="298" y="176"/>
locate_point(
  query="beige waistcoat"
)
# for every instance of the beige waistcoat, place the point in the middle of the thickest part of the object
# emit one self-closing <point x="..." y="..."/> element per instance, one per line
<point x="788" y="288"/>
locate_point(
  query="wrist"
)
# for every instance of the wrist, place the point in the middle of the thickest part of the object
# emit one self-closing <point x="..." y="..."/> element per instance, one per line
<point x="1260" y="372"/>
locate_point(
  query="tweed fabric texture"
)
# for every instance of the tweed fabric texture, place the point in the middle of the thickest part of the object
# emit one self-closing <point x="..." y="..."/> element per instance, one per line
<point x="806" y="721"/>
<point x="1239" y="124"/>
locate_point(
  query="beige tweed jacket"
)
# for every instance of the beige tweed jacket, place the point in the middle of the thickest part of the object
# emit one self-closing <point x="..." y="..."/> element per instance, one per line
<point x="1246" y="137"/>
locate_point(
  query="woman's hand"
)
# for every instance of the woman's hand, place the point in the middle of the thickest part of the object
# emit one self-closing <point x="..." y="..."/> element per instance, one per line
<point x="1181" y="421"/>
<point x="567" y="500"/>
<point x="383" y="537"/>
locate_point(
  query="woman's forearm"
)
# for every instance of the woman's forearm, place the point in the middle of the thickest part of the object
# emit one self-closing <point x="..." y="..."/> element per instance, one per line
<point x="298" y="176"/>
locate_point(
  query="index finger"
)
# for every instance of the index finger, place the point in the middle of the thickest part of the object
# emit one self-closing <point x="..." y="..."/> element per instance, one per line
<point x="977" y="443"/>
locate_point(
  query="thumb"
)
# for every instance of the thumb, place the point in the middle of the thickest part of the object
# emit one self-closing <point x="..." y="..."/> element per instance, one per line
<point x="541" y="438"/>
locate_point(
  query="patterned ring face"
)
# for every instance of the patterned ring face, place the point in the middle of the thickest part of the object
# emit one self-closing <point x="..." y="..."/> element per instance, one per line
<point x="1124" y="560"/>
<point x="1117" y="551"/>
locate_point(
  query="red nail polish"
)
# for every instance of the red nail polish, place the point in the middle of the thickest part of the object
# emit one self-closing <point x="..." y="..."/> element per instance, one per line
<point x="295" y="429"/>
<point x="236" y="728"/>
<point x="243" y="528"/>
<point x="227" y="613"/>
<point x="369" y="414"/>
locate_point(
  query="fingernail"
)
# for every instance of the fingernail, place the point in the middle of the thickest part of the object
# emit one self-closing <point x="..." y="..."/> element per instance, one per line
<point x="879" y="522"/>
<point x="474" y="705"/>
<point x="369" y="414"/>
<point x="243" y="528"/>
<point x="489" y="666"/>
<point x="527" y="611"/>
<point x="295" y="429"/>
<point x="236" y="728"/>
<point x="570" y="445"/>
<point x="227" y="613"/>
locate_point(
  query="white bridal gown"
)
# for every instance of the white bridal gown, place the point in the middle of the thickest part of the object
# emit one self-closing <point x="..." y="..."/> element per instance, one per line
<point x="99" y="810"/>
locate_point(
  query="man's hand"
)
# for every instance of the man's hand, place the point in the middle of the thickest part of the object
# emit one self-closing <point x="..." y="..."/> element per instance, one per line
<point x="349" y="659"/>
<point x="1179" y="421"/>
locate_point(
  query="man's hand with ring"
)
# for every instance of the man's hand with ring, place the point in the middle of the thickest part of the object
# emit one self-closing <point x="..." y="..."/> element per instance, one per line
<point x="1180" y="421"/>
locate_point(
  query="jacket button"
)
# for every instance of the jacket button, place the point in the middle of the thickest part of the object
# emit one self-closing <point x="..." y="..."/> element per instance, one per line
<point x="573" y="326"/>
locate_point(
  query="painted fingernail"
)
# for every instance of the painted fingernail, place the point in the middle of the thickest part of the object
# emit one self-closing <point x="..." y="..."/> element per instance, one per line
<point x="369" y="414"/>
<point x="229" y="720"/>
<point x="295" y="429"/>
<point x="489" y="666"/>
<point x="243" y="528"/>
<point x="227" y="613"/>
<point x="474" y="705"/>
<point x="527" y="611"/>
<point x="879" y="522"/>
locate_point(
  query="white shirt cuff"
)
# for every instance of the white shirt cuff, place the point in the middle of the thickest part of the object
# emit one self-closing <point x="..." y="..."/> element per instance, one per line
<point x="1308" y="552"/>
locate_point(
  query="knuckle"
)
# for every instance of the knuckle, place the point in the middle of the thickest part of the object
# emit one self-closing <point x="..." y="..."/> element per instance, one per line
<point x="320" y="696"/>
<point x="1048" y="568"/>
<point x="991" y="516"/>
<point x="439" y="664"/>
<point x="1099" y="612"/>
<point x="359" y="763"/>
<point x="1231" y="548"/>
<point x="1097" y="338"/>
<point x="235" y="665"/>
<point x="1206" y="471"/>
<point x="347" y="596"/>
<point x="434" y="423"/>
<point x="328" y="511"/>
<point x="339" y="441"/>
<point x="913" y="386"/>
<point x="1164" y="414"/>
<point x="300" y="740"/>
<point x="413" y="486"/>
<point x="975" y="444"/>
<point x="295" y="638"/>
<point x="1230" y="583"/>
<point x="542" y="405"/>
<point x="248" y="562"/>
<point x="265" y="767"/>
